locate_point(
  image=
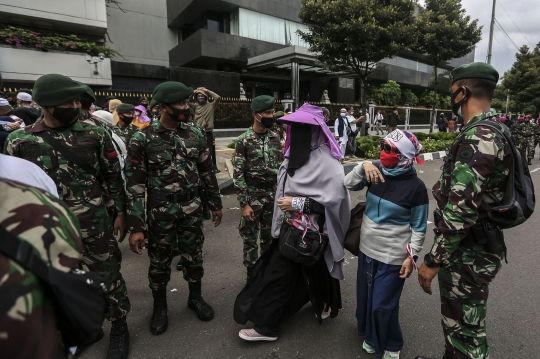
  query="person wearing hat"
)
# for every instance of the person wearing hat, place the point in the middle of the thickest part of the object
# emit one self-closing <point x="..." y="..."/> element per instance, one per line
<point x="166" y="160"/>
<point x="279" y="128"/>
<point x="86" y="101"/>
<point x="204" y="106"/>
<point x="12" y="98"/>
<point x="478" y="173"/>
<point x="125" y="128"/>
<point x="155" y="111"/>
<point x="106" y="104"/>
<point x="25" y="111"/>
<point x="46" y="143"/>
<point x="143" y="101"/>
<point x="257" y="157"/>
<point x="527" y="133"/>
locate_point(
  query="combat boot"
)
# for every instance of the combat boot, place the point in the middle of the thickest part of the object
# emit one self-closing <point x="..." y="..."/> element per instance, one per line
<point x="160" y="320"/>
<point x="196" y="302"/>
<point x="119" y="344"/>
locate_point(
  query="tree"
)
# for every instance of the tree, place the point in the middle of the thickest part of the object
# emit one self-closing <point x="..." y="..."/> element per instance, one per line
<point x="408" y="97"/>
<point x="523" y="79"/>
<point x="391" y="93"/>
<point x="444" y="33"/>
<point x="355" y="35"/>
<point x="499" y="100"/>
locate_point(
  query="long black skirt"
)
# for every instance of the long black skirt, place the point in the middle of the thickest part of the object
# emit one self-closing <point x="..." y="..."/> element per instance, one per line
<point x="279" y="288"/>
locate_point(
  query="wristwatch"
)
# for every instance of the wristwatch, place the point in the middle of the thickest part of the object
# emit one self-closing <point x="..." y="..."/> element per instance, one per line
<point x="430" y="261"/>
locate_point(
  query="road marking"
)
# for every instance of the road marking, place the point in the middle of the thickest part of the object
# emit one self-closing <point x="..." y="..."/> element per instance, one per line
<point x="536" y="169"/>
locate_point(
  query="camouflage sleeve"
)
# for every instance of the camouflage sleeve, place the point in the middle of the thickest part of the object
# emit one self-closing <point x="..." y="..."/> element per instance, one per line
<point x="239" y="177"/>
<point x="135" y="170"/>
<point x="208" y="176"/>
<point x="112" y="172"/>
<point x="473" y="166"/>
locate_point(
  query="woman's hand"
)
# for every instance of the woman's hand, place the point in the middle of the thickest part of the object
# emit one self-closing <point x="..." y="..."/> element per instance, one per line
<point x="372" y="173"/>
<point x="406" y="268"/>
<point x="285" y="204"/>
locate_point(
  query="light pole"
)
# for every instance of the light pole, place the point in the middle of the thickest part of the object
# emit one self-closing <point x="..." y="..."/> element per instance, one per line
<point x="490" y="46"/>
<point x="95" y="60"/>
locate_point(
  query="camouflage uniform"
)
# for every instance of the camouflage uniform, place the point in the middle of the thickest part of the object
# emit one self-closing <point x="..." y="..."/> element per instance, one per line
<point x="125" y="133"/>
<point x="28" y="326"/>
<point x="527" y="134"/>
<point x="479" y="173"/>
<point x="83" y="193"/>
<point x="256" y="163"/>
<point x="516" y="132"/>
<point x="168" y="164"/>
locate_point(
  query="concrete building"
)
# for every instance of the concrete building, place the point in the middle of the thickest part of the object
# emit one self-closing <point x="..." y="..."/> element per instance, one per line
<point x="213" y="43"/>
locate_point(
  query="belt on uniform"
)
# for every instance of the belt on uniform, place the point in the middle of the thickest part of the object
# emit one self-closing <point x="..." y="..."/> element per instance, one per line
<point x="175" y="197"/>
<point x="259" y="183"/>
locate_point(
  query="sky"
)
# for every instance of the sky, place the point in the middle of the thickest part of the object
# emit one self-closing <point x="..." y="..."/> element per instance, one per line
<point x="509" y="13"/>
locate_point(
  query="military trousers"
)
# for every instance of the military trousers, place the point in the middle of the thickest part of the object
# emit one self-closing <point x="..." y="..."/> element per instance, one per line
<point x="184" y="234"/>
<point x="250" y="231"/>
<point x="527" y="145"/>
<point x="101" y="254"/>
<point x="464" y="288"/>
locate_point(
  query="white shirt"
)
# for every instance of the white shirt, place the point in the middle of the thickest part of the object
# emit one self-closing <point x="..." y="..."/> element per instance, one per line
<point x="351" y="118"/>
<point x="23" y="171"/>
<point x="379" y="117"/>
<point x="367" y="119"/>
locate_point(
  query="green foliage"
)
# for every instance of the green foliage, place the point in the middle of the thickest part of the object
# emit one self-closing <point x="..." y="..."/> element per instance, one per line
<point x="426" y="100"/>
<point x="523" y="79"/>
<point x="19" y="38"/>
<point x="236" y="114"/>
<point x="407" y="96"/>
<point x="357" y="34"/>
<point x="391" y="92"/>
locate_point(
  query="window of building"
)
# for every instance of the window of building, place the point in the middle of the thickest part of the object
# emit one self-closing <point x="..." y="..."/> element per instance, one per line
<point x="254" y="25"/>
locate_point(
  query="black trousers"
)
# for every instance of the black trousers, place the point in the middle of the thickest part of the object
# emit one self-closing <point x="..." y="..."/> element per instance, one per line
<point x="211" y="145"/>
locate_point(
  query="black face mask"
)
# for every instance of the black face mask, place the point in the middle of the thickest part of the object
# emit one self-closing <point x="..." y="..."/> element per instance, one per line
<point x="66" y="116"/>
<point x="267" y="122"/>
<point x="179" y="115"/>
<point x="127" y="119"/>
<point x="456" y="107"/>
<point x="12" y="103"/>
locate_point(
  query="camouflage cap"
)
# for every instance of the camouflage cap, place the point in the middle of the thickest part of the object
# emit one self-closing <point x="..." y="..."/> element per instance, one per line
<point x="475" y="70"/>
<point x="55" y="89"/>
<point x="125" y="107"/>
<point x="88" y="93"/>
<point x="262" y="103"/>
<point x="171" y="92"/>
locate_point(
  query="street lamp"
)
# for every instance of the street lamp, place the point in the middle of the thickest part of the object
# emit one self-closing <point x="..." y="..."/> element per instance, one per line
<point x="95" y="60"/>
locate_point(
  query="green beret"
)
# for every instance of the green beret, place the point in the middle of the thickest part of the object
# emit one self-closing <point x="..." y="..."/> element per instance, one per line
<point x="11" y="94"/>
<point x="88" y="93"/>
<point x="2" y="93"/>
<point x="144" y="98"/>
<point x="153" y="103"/>
<point x="55" y="89"/>
<point x="171" y="92"/>
<point x="125" y="107"/>
<point x="262" y="103"/>
<point x="28" y="91"/>
<point x="279" y="114"/>
<point x="475" y="70"/>
<point x="110" y="98"/>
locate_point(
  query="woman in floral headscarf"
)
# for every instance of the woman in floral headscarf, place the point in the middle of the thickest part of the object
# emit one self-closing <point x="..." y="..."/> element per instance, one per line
<point x="393" y="232"/>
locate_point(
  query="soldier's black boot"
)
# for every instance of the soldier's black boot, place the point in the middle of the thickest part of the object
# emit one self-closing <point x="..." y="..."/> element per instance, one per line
<point x="160" y="320"/>
<point x="180" y="266"/>
<point x="196" y="302"/>
<point x="119" y="344"/>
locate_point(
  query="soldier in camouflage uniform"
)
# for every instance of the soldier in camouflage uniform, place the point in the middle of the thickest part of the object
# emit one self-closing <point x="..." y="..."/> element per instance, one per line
<point x="124" y="128"/>
<point x="476" y="171"/>
<point x="28" y="315"/>
<point x="516" y="130"/>
<point x="80" y="188"/>
<point x="166" y="161"/>
<point x="257" y="158"/>
<point x="527" y="135"/>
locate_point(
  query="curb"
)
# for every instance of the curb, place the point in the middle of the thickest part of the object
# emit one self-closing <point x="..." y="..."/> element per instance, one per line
<point x="433" y="155"/>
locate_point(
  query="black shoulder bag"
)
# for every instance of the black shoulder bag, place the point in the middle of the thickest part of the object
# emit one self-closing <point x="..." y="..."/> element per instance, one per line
<point x="79" y="297"/>
<point x="68" y="155"/>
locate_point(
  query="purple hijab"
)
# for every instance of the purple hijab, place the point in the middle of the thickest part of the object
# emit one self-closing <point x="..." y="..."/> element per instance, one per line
<point x="312" y="115"/>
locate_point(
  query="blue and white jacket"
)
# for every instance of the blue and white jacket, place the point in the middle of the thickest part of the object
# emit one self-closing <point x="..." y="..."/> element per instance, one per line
<point x="396" y="215"/>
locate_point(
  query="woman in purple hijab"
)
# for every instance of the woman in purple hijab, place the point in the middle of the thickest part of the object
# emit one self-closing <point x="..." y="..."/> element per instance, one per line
<point x="311" y="195"/>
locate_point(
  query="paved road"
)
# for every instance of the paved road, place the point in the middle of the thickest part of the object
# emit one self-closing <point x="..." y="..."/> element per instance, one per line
<point x="513" y="315"/>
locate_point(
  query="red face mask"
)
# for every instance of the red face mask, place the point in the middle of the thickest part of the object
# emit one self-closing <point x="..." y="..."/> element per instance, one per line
<point x="389" y="160"/>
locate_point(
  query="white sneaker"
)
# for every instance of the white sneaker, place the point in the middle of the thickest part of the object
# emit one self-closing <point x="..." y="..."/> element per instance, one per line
<point x="252" y="336"/>
<point x="390" y="355"/>
<point x="368" y="348"/>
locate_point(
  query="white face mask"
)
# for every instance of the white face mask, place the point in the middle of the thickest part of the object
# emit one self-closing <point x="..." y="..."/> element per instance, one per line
<point x="352" y="112"/>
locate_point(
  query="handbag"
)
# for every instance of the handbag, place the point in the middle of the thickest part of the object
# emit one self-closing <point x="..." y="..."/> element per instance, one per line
<point x="352" y="237"/>
<point x="302" y="248"/>
<point x="79" y="297"/>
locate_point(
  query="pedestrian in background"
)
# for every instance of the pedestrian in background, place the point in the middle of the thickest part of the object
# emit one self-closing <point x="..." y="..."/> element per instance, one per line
<point x="204" y="107"/>
<point x="340" y="131"/>
<point x="26" y="111"/>
<point x="350" y="149"/>
<point x="393" y="120"/>
<point x="257" y="157"/>
<point x="442" y="123"/>
<point x="391" y="237"/>
<point x="379" y="119"/>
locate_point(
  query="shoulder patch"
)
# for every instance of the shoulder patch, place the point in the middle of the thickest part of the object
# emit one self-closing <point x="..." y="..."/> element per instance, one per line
<point x="465" y="155"/>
